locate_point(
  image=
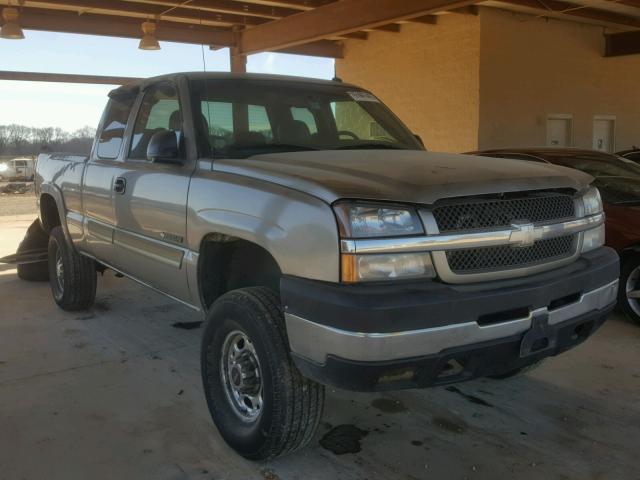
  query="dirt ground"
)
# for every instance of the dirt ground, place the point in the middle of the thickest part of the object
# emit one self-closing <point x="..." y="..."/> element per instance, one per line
<point x="114" y="393"/>
<point x="17" y="204"/>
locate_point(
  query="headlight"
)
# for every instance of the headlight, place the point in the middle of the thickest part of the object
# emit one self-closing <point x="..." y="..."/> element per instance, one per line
<point x="593" y="239"/>
<point x="364" y="220"/>
<point x="3" y="167"/>
<point x="592" y="201"/>
<point x="367" y="221"/>
<point x="386" y="266"/>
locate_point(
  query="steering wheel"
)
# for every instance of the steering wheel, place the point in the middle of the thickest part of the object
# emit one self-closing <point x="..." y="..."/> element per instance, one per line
<point x="348" y="134"/>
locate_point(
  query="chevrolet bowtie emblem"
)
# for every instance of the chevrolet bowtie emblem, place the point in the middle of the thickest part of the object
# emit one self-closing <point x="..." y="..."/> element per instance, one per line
<point x="523" y="235"/>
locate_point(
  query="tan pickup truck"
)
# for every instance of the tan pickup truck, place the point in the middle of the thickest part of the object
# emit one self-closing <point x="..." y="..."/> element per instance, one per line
<point x="323" y="245"/>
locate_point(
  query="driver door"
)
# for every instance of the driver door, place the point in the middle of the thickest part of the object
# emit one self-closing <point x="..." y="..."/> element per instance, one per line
<point x="151" y="203"/>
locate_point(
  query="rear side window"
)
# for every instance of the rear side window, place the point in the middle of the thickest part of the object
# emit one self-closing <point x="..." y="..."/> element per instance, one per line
<point x="304" y="114"/>
<point x="115" y="123"/>
<point x="160" y="110"/>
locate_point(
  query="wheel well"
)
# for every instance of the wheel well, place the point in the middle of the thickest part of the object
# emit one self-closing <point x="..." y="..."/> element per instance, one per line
<point x="49" y="212"/>
<point x="227" y="263"/>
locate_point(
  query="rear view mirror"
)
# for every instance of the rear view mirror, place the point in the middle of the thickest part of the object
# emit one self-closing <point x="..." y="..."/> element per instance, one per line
<point x="419" y="139"/>
<point x="163" y="148"/>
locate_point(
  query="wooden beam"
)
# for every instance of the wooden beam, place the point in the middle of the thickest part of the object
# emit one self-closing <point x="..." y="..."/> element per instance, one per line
<point x="391" y="27"/>
<point x="319" y="48"/>
<point x="112" y="26"/>
<point x="428" y="19"/>
<point x="125" y="27"/>
<point x="301" y="5"/>
<point x="337" y="18"/>
<point x="65" y="78"/>
<point x="574" y="10"/>
<point x="468" y="10"/>
<point x="143" y="11"/>
<point x="629" y="3"/>
<point x="624" y="43"/>
<point x="226" y="6"/>
<point x="356" y="35"/>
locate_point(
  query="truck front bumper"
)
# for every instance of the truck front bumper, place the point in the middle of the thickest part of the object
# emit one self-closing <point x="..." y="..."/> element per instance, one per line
<point x="381" y="337"/>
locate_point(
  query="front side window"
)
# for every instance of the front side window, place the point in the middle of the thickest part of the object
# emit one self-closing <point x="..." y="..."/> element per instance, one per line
<point x="241" y="119"/>
<point x="115" y="122"/>
<point x="160" y="110"/>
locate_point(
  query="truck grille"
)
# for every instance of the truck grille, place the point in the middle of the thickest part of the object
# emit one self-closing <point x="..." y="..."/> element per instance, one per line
<point x="491" y="213"/>
<point x="475" y="260"/>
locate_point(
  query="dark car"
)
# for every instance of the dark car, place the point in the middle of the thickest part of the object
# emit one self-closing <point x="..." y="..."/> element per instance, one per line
<point x="618" y="179"/>
<point x="632" y="154"/>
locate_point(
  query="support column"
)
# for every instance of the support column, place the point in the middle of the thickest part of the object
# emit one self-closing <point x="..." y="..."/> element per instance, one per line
<point x="239" y="65"/>
<point x="237" y="60"/>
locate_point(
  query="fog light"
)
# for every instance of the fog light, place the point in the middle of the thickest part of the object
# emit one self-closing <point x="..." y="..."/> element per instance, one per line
<point x="593" y="239"/>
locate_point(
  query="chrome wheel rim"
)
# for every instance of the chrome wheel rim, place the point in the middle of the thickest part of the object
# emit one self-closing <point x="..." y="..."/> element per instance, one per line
<point x="59" y="271"/>
<point x="241" y="376"/>
<point x="633" y="290"/>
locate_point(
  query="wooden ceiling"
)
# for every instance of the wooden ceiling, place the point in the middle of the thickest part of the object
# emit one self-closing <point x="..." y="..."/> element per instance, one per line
<point x="311" y="27"/>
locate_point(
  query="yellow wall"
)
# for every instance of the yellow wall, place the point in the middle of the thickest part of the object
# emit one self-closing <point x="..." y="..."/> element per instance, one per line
<point x="427" y="74"/>
<point x="491" y="80"/>
<point x="531" y="67"/>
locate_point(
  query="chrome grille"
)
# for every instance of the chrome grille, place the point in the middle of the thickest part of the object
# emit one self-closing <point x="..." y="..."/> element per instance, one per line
<point x="490" y="213"/>
<point x="475" y="260"/>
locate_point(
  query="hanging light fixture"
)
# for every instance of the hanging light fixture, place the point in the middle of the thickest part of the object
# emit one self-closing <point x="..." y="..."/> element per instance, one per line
<point x="149" y="40"/>
<point x="11" y="30"/>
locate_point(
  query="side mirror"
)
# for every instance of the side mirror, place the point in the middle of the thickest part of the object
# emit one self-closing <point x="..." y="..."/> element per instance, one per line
<point x="163" y="148"/>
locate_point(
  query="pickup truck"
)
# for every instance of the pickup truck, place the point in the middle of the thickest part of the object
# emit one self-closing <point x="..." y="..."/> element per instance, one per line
<point x="323" y="245"/>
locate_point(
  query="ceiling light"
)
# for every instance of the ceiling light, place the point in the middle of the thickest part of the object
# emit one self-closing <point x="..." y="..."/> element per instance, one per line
<point x="11" y="29"/>
<point x="149" y="40"/>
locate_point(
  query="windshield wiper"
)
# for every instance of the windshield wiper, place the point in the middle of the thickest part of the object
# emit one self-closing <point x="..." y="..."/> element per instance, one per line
<point x="370" y="146"/>
<point x="267" y="146"/>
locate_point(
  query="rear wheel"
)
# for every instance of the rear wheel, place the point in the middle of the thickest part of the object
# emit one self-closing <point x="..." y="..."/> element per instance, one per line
<point x="35" y="240"/>
<point x="261" y="404"/>
<point x="71" y="275"/>
<point x="629" y="289"/>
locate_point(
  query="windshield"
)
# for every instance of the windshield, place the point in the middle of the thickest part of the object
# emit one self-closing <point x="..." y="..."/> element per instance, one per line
<point x="617" y="178"/>
<point x="239" y="119"/>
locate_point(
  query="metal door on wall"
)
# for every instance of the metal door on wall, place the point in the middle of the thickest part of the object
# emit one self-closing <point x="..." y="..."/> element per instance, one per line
<point x="604" y="127"/>
<point x="559" y="130"/>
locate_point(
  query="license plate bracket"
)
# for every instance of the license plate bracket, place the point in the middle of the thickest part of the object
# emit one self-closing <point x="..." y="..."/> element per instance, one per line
<point x="539" y="337"/>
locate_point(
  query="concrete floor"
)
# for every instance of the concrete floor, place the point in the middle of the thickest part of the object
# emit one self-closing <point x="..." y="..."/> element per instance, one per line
<point x="115" y="393"/>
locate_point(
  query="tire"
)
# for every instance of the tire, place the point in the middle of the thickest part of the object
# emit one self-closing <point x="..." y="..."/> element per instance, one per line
<point x="36" y="239"/>
<point x="72" y="276"/>
<point x="517" y="372"/>
<point x="286" y="407"/>
<point x="630" y="282"/>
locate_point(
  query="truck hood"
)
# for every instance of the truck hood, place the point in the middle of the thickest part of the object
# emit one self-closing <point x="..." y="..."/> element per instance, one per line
<point x="400" y="175"/>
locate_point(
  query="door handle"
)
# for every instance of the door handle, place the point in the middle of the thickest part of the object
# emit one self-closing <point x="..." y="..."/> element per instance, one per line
<point x="120" y="185"/>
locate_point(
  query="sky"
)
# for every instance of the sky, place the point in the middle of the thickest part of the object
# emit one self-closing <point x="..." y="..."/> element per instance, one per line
<point x="73" y="106"/>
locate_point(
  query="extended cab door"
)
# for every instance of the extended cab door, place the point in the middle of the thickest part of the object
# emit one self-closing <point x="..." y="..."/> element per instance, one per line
<point x="100" y="172"/>
<point x="151" y="204"/>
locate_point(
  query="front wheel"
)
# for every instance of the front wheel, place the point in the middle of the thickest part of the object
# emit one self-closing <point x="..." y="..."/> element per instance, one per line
<point x="629" y="289"/>
<point x="261" y="404"/>
<point x="72" y="276"/>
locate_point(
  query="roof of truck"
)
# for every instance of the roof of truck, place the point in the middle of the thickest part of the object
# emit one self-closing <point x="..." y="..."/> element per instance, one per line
<point x="231" y="76"/>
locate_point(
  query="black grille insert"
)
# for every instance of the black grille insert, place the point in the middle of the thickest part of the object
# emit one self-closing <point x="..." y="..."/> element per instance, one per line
<point x="501" y="212"/>
<point x="475" y="260"/>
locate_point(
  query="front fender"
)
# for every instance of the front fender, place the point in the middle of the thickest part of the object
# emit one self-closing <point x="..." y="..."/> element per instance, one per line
<point x="297" y="229"/>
